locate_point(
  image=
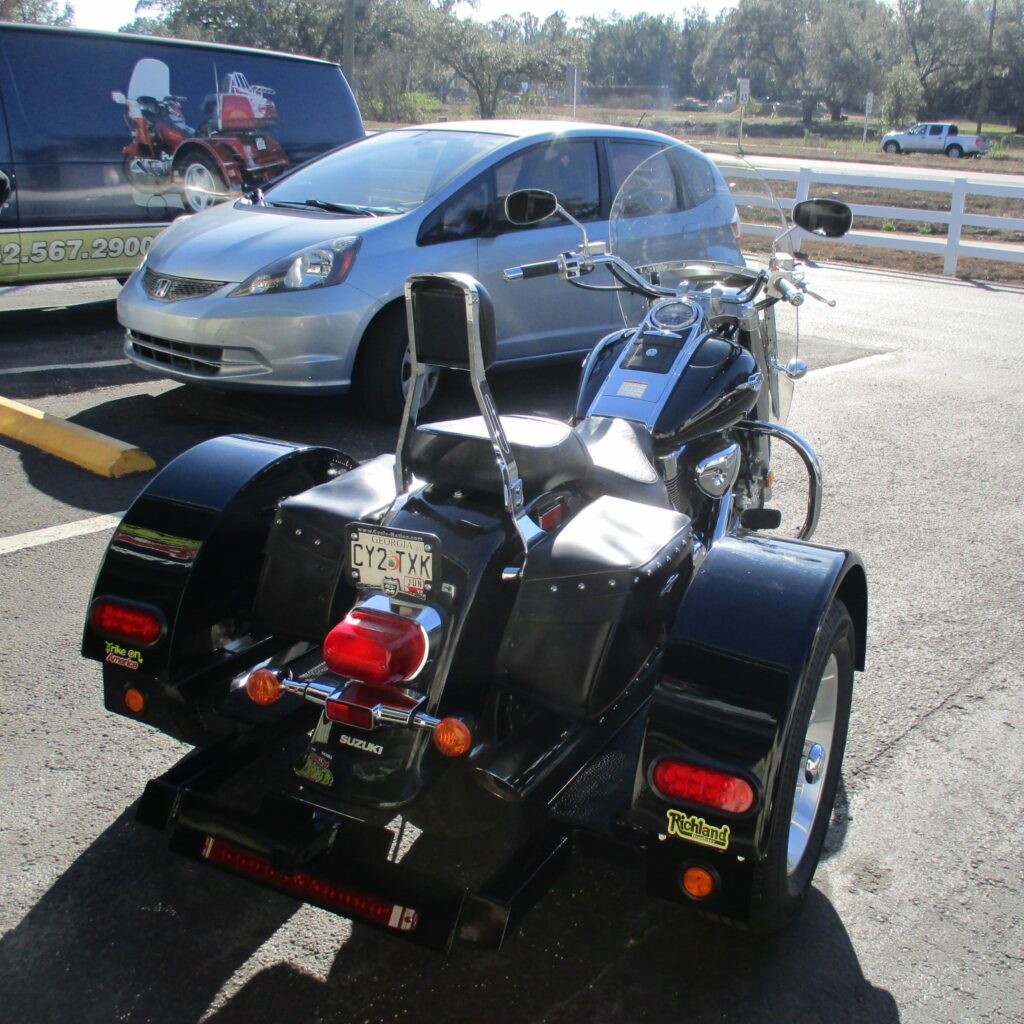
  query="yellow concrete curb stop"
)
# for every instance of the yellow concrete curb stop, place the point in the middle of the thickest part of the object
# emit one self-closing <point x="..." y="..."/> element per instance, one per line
<point x="84" y="447"/>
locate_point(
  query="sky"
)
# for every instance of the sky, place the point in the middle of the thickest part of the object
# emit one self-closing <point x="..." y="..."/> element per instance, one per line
<point x="112" y="14"/>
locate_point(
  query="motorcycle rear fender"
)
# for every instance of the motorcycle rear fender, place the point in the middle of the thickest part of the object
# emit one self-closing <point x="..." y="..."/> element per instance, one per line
<point x="225" y="157"/>
<point x="737" y="650"/>
<point x="191" y="547"/>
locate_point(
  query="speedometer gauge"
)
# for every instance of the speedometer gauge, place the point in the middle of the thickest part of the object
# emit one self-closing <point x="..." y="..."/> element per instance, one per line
<point x="674" y="315"/>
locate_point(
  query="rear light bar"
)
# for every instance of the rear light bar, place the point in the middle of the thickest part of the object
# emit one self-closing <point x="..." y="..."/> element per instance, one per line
<point x="127" y="620"/>
<point x="695" y="784"/>
<point x="310" y="887"/>
<point x="360" y="705"/>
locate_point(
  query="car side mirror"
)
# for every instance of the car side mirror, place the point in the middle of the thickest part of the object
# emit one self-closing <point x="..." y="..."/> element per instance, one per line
<point x="530" y="206"/>
<point x="5" y="188"/>
<point x="827" y="217"/>
<point x="118" y="97"/>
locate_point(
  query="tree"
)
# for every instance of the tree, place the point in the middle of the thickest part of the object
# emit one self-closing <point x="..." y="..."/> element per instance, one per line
<point x="310" y="27"/>
<point x="37" y="12"/>
<point x="811" y="50"/>
<point x="945" y="42"/>
<point x="493" y="59"/>
<point x="848" y="45"/>
<point x="644" y="50"/>
<point x="1007" y="71"/>
<point x="762" y="40"/>
<point x="902" y="96"/>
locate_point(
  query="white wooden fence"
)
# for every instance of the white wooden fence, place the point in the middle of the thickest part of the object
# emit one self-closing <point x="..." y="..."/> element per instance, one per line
<point x="951" y="246"/>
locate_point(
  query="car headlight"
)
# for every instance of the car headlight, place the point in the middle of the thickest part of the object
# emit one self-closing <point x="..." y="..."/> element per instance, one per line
<point x="316" y="267"/>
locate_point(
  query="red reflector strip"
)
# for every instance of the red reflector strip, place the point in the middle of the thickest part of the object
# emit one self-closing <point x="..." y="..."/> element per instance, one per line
<point x="127" y="620"/>
<point x="679" y="780"/>
<point x="349" y="714"/>
<point x="551" y="517"/>
<point x="309" y="887"/>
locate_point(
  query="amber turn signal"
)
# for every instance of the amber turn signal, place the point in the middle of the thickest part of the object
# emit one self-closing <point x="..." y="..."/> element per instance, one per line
<point x="698" y="882"/>
<point x="452" y="737"/>
<point x="134" y="700"/>
<point x="263" y="686"/>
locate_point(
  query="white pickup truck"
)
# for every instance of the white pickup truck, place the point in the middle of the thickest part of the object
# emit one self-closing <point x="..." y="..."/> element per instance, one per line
<point x="932" y="137"/>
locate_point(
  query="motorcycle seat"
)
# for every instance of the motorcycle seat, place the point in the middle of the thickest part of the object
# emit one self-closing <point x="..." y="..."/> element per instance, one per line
<point x="622" y="454"/>
<point x="459" y="454"/>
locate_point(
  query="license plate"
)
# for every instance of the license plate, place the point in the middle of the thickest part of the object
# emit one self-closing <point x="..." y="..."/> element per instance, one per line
<point x="260" y="143"/>
<point x="394" y="561"/>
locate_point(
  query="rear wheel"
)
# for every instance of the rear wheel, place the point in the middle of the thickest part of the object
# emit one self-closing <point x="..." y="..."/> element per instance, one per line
<point x="201" y="182"/>
<point x="385" y="368"/>
<point x="809" y="776"/>
<point x="891" y="147"/>
<point x="954" y="152"/>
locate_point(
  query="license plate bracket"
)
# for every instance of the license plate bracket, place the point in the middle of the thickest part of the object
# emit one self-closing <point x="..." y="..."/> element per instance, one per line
<point x="398" y="562"/>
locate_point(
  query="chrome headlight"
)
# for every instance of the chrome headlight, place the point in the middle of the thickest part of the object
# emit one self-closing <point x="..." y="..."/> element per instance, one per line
<point x="316" y="267"/>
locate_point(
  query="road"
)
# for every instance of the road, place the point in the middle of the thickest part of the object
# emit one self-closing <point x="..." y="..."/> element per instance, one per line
<point x="915" y="406"/>
<point x="973" y="170"/>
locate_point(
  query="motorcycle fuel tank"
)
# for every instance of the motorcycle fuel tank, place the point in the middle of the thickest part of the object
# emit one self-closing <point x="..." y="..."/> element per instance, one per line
<point x="680" y="386"/>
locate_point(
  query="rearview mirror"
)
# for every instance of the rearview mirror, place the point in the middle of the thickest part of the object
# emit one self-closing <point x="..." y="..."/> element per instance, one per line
<point x="827" y="217"/>
<point x="530" y="206"/>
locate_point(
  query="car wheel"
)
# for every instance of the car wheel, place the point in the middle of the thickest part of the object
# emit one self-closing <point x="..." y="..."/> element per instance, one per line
<point x="201" y="183"/>
<point x="954" y="152"/>
<point x="385" y="368"/>
<point x="891" y="147"/>
<point x="810" y="767"/>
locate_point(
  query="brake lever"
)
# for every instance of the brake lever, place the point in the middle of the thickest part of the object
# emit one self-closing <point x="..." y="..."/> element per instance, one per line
<point x="814" y="295"/>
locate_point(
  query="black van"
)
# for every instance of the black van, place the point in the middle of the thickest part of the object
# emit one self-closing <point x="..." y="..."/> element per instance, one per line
<point x="105" y="137"/>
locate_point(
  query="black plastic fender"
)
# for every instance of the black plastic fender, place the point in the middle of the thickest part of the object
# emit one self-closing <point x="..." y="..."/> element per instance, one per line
<point x="737" y="649"/>
<point x="191" y="546"/>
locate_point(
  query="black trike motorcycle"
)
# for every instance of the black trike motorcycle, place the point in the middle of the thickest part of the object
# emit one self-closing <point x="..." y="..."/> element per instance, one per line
<point x="417" y="684"/>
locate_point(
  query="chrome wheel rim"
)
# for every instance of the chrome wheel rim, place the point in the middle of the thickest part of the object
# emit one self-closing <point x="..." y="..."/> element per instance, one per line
<point x="813" y="767"/>
<point x="200" y="188"/>
<point x="430" y="379"/>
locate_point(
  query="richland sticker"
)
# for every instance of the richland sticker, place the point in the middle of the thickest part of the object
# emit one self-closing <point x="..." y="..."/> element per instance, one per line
<point x="697" y="830"/>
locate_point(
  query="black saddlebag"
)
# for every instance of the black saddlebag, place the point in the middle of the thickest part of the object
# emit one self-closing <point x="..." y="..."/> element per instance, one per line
<point x="302" y="591"/>
<point x="589" y="611"/>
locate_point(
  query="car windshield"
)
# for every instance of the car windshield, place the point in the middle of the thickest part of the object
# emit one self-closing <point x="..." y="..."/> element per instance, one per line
<point x="384" y="174"/>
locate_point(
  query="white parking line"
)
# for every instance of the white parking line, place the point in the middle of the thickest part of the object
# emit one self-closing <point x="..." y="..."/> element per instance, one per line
<point x="850" y="364"/>
<point x="35" y="538"/>
<point x="104" y="365"/>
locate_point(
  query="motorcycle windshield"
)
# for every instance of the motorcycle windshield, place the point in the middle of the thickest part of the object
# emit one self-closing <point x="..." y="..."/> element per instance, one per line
<point x="692" y="221"/>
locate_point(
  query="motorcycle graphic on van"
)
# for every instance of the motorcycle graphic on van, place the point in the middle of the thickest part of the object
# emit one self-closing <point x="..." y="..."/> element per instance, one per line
<point x="230" y="150"/>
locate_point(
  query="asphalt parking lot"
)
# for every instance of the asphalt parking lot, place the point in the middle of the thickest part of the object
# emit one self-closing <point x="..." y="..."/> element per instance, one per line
<point x="914" y="404"/>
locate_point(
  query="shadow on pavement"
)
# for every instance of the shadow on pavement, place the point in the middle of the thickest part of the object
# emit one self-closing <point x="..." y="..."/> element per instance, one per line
<point x="167" y="423"/>
<point x="132" y="933"/>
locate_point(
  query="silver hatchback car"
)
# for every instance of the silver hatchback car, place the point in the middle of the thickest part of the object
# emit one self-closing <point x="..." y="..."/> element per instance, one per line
<point x="300" y="289"/>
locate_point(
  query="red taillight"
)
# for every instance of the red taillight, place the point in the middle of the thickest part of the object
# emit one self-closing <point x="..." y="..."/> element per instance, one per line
<point x="376" y="647"/>
<point x="349" y="714"/>
<point x="127" y="620"/>
<point x="690" y="783"/>
<point x="310" y="887"/>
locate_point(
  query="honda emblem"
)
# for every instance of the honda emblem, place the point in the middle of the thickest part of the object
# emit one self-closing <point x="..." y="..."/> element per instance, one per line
<point x="163" y="286"/>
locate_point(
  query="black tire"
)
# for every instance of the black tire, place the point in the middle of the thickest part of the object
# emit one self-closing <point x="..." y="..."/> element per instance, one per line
<point x="954" y="152"/>
<point x="779" y="888"/>
<point x="384" y="369"/>
<point x="891" y="147"/>
<point x="201" y="182"/>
